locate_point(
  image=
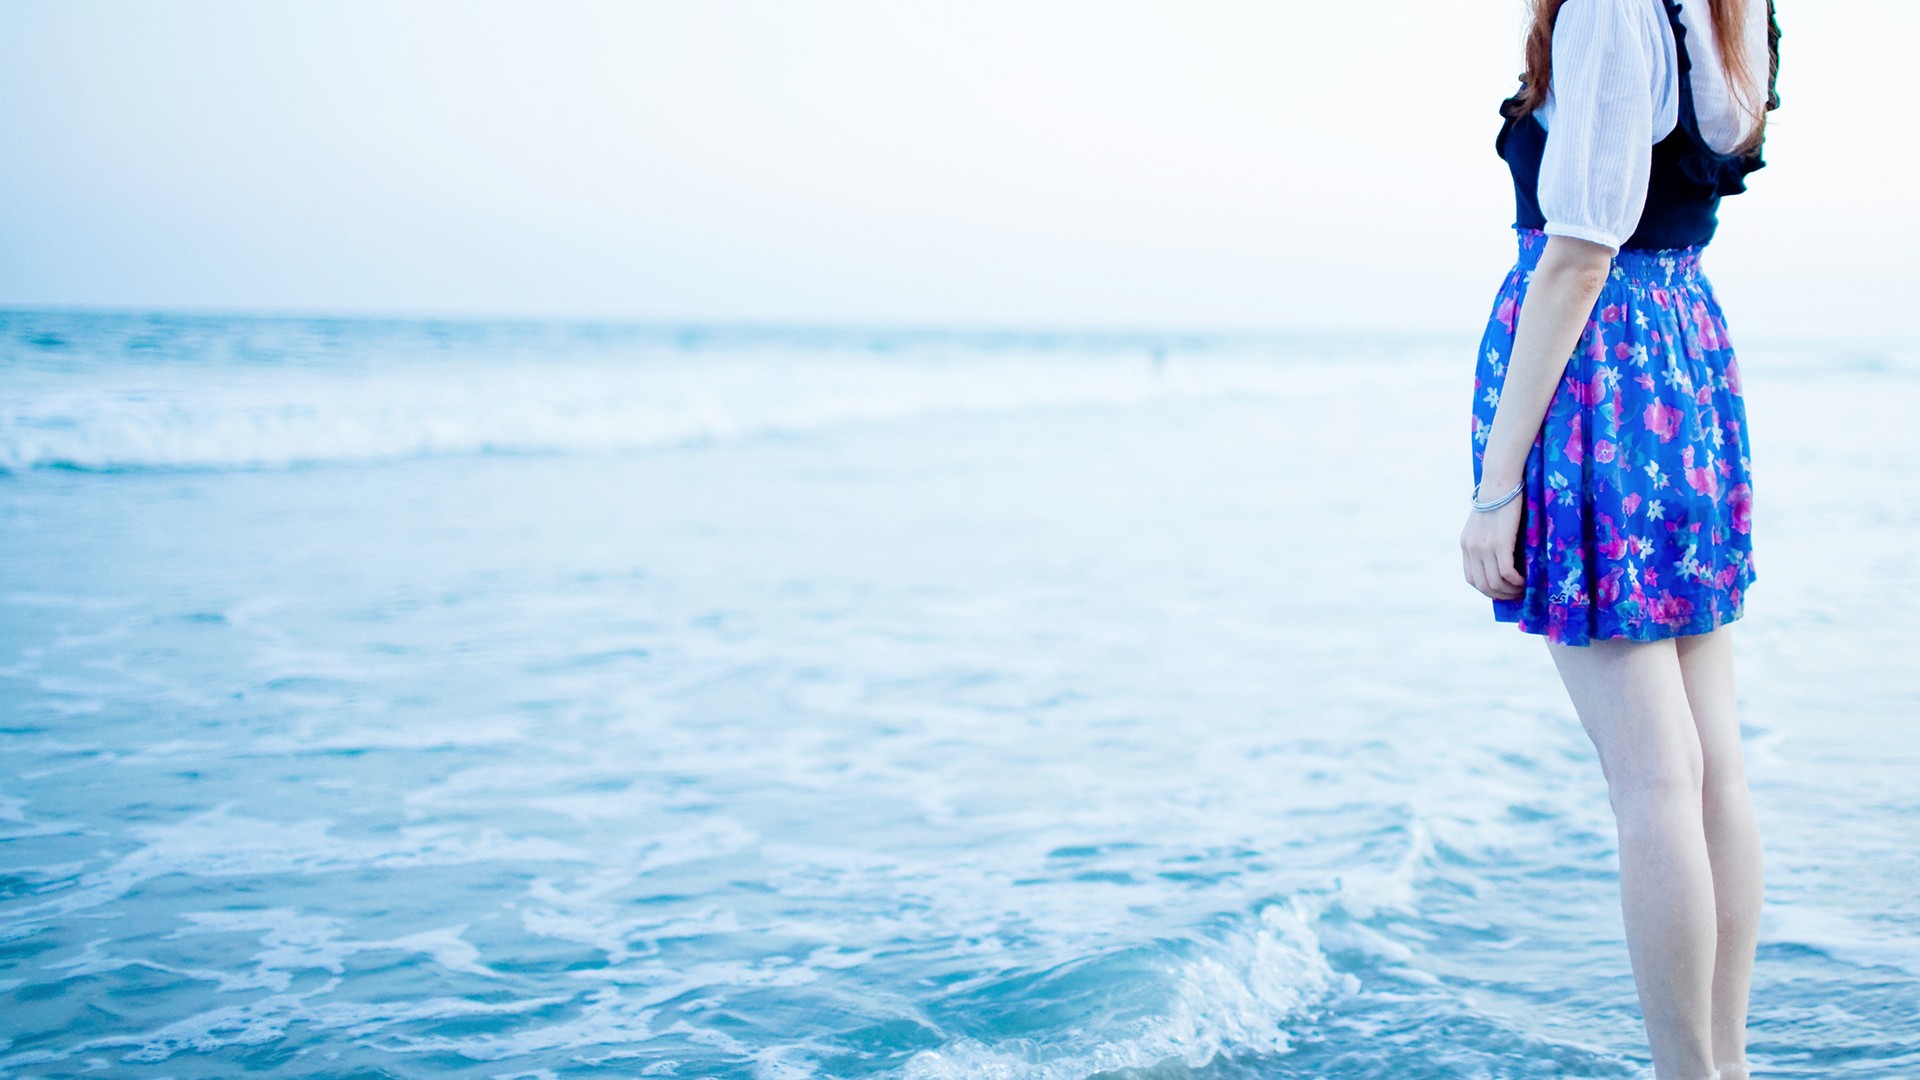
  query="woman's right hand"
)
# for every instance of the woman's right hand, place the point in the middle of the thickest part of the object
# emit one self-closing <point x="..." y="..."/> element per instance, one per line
<point x="1486" y="551"/>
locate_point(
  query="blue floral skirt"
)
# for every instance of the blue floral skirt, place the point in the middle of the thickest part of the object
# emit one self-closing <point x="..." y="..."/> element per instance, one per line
<point x="1637" y="520"/>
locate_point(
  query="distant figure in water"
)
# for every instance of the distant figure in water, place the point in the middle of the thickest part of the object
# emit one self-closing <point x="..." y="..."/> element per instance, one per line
<point x="1612" y="501"/>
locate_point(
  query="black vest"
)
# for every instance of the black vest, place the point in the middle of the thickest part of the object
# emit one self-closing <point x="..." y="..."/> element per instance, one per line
<point x="1688" y="178"/>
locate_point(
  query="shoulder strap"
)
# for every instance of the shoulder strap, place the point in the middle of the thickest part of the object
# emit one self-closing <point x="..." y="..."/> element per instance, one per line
<point x="1773" y="58"/>
<point x="1689" y="118"/>
<point x="1679" y="38"/>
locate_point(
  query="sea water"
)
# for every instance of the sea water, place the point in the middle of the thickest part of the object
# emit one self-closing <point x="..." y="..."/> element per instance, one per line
<point x="531" y="700"/>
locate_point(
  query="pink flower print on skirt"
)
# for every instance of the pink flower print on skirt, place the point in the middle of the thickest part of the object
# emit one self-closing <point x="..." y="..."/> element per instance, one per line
<point x="1638" y="515"/>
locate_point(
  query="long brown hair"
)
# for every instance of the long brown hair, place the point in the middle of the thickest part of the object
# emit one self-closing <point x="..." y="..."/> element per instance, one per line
<point x="1729" y="18"/>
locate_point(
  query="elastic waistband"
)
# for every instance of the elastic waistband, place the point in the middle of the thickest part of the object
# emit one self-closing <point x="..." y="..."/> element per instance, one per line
<point x="1658" y="266"/>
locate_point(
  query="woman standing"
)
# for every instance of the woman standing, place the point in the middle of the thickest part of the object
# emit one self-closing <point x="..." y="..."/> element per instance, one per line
<point x="1612" y="497"/>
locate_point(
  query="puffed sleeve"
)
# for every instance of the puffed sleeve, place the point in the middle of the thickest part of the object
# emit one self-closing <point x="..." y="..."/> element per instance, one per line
<point x="1593" y="179"/>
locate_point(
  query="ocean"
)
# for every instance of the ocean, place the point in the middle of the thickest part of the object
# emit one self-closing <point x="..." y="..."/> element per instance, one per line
<point x="406" y="698"/>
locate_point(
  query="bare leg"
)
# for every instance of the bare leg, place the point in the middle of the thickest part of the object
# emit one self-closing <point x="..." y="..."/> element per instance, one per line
<point x="1733" y="840"/>
<point x="1633" y="703"/>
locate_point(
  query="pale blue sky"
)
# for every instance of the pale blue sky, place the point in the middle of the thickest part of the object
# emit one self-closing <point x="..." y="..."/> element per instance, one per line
<point x="1220" y="163"/>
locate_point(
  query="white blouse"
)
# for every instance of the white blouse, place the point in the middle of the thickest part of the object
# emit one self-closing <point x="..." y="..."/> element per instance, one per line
<point x="1615" y="92"/>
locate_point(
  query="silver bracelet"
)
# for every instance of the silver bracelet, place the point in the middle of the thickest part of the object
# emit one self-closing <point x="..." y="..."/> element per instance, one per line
<point x="1496" y="504"/>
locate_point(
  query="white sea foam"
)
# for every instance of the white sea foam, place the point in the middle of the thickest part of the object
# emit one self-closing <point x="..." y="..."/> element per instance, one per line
<point x="1841" y="938"/>
<point x="220" y="843"/>
<point x="291" y="943"/>
<point x="197" y="417"/>
<point x="267" y="1019"/>
<point x="1236" y="992"/>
